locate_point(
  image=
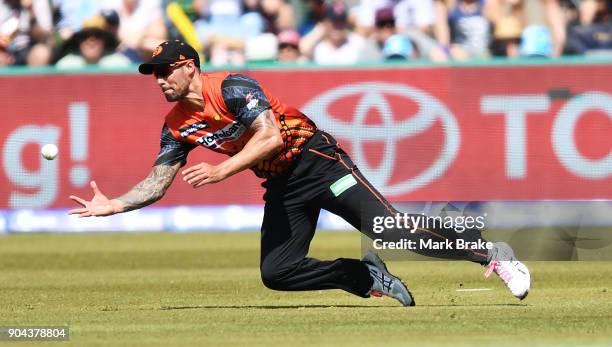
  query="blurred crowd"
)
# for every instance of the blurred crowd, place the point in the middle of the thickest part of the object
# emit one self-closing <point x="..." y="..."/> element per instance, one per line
<point x="117" y="33"/>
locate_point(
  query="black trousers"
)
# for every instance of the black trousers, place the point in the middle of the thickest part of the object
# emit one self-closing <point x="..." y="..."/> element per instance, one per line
<point x="325" y="177"/>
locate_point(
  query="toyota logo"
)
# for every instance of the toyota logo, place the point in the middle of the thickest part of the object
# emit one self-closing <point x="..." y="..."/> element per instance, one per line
<point x="389" y="132"/>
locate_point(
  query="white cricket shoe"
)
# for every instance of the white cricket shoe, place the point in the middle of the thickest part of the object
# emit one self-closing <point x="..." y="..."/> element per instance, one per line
<point x="384" y="282"/>
<point x="511" y="271"/>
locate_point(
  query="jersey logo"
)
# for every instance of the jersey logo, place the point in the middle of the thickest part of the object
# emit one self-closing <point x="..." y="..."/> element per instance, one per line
<point x="192" y="128"/>
<point x="253" y="103"/>
<point x="230" y="133"/>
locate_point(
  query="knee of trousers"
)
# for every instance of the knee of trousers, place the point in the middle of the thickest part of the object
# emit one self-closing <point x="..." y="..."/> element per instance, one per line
<point x="275" y="277"/>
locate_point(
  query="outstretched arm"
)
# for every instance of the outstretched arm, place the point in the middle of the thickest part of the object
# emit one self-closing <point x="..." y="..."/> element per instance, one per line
<point x="149" y="190"/>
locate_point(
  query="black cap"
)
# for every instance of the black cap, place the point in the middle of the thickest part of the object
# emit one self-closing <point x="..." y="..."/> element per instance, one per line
<point x="111" y="16"/>
<point x="337" y="12"/>
<point x="170" y="52"/>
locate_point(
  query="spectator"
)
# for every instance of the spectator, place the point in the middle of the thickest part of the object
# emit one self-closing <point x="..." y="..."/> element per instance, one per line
<point x="315" y="11"/>
<point x="289" y="47"/>
<point x="334" y="43"/>
<point x="26" y="26"/>
<point x="413" y="18"/>
<point x="384" y="25"/>
<point x="73" y="13"/>
<point x="556" y="15"/>
<point x="592" y="11"/>
<point x="279" y="15"/>
<point x="415" y="14"/>
<point x="141" y="26"/>
<point x="536" y="41"/>
<point x="226" y="51"/>
<point x="508" y="20"/>
<point x="363" y="15"/>
<point x="426" y="47"/>
<point x="226" y="30"/>
<point x="39" y="55"/>
<point x="92" y="45"/>
<point x="262" y="48"/>
<point x="6" y="58"/>
<point x="594" y="34"/>
<point x="221" y="37"/>
<point x="219" y="19"/>
<point x="550" y="13"/>
<point x="408" y="14"/>
<point x="398" y="47"/>
<point x="467" y="28"/>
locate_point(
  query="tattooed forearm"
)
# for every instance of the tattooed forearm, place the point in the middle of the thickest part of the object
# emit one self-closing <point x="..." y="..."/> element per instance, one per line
<point x="150" y="189"/>
<point x="264" y="120"/>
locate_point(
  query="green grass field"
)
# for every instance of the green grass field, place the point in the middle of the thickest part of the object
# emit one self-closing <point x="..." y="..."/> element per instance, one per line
<point x="204" y="289"/>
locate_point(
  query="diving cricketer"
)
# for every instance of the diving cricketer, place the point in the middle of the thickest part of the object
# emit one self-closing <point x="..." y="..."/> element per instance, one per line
<point x="304" y="170"/>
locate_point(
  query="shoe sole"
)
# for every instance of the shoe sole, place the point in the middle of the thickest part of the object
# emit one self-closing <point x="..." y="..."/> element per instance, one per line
<point x="381" y="264"/>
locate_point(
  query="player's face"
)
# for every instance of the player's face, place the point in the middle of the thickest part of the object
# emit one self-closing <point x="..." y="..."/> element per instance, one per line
<point x="173" y="79"/>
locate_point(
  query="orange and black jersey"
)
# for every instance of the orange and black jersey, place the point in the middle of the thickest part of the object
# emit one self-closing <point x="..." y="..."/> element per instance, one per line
<point x="231" y="104"/>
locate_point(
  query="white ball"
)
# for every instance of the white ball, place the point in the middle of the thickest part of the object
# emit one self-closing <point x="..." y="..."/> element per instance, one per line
<point x="49" y="151"/>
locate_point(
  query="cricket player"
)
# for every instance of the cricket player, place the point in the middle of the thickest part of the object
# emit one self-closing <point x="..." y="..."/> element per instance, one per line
<point x="304" y="169"/>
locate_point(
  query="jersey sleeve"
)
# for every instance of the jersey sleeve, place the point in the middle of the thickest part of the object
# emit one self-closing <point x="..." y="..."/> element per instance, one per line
<point x="171" y="150"/>
<point x="244" y="98"/>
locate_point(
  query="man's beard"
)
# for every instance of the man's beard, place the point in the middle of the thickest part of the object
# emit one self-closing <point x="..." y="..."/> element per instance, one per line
<point x="174" y="96"/>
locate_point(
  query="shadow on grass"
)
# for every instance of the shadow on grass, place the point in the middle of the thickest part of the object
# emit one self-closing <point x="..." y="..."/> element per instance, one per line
<point x="265" y="307"/>
<point x="275" y="307"/>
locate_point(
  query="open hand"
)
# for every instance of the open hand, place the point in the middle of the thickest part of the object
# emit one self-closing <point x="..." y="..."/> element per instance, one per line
<point x="99" y="206"/>
<point x="201" y="174"/>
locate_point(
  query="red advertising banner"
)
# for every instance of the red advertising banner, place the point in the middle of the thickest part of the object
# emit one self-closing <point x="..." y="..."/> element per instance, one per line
<point x="436" y="133"/>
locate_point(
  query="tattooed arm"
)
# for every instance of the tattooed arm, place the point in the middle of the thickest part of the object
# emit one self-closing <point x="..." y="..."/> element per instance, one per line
<point x="266" y="141"/>
<point x="150" y="189"/>
<point x="144" y="193"/>
<point x="247" y="101"/>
